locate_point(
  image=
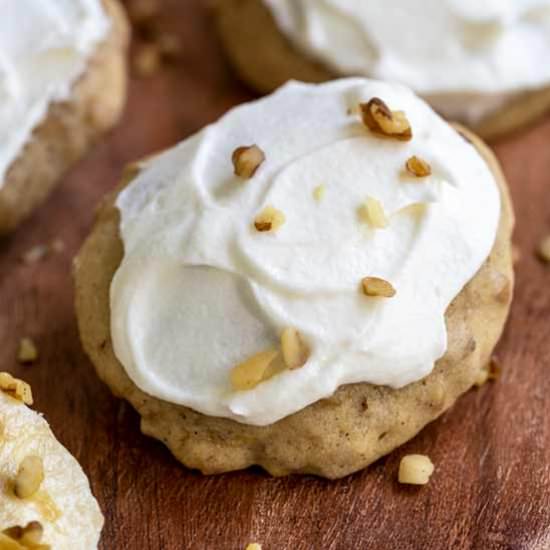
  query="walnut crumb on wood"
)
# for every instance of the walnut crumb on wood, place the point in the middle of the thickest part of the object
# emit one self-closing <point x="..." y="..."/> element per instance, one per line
<point x="27" y="351"/>
<point x="415" y="470"/>
<point x="147" y="60"/>
<point x="35" y="254"/>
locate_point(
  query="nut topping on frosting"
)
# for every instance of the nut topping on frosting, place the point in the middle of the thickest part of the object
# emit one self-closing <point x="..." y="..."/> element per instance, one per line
<point x="374" y="286"/>
<point x="295" y="351"/>
<point x="379" y="119"/>
<point x="15" y="388"/>
<point x="30" y="476"/>
<point x="24" y="537"/>
<point x="256" y="369"/>
<point x="373" y="213"/>
<point x="418" y="167"/>
<point x="246" y="160"/>
<point x="269" y="219"/>
<point x="319" y="193"/>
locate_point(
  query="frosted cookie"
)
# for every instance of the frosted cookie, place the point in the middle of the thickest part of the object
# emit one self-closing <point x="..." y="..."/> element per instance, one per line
<point x="45" y="497"/>
<point x="483" y="64"/>
<point x="302" y="285"/>
<point x="62" y="85"/>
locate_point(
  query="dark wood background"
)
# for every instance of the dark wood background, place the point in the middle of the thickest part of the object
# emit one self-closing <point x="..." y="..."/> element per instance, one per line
<point x="491" y="487"/>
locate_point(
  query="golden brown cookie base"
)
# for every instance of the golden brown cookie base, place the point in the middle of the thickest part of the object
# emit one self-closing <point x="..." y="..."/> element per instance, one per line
<point x="334" y="436"/>
<point x="70" y="128"/>
<point x="265" y="59"/>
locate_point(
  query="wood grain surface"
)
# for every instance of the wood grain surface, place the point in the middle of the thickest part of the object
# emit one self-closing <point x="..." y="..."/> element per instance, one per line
<point x="491" y="487"/>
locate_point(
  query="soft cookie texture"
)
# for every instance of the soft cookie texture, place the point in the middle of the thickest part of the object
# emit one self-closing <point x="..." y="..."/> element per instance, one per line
<point x="40" y="482"/>
<point x="335" y="436"/>
<point x="265" y="59"/>
<point x="70" y="128"/>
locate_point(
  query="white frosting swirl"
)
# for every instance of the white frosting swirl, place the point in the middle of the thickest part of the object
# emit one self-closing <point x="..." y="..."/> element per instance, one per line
<point x="466" y="57"/>
<point x="200" y="290"/>
<point x="44" y="48"/>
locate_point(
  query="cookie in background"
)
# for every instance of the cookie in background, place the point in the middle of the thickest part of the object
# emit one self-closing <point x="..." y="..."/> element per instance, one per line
<point x="62" y="86"/>
<point x="483" y="64"/>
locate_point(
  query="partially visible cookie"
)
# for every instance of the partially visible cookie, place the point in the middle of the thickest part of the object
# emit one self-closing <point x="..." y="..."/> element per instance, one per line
<point x="360" y="422"/>
<point x="45" y="497"/>
<point x="70" y="128"/>
<point x="265" y="58"/>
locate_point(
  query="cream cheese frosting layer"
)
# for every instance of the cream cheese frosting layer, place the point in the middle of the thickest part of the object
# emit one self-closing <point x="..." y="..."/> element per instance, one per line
<point x="44" y="49"/>
<point x="495" y="48"/>
<point x="200" y="290"/>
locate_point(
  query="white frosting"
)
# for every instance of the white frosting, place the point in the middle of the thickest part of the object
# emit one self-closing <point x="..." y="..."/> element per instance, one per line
<point x="465" y="56"/>
<point x="200" y="290"/>
<point x="44" y="48"/>
<point x="64" y="504"/>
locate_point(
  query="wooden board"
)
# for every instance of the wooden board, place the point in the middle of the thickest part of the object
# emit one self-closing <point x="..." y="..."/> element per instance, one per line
<point x="491" y="488"/>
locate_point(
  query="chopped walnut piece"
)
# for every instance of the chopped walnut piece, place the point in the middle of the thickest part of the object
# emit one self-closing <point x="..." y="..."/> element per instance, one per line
<point x="269" y="219"/>
<point x="28" y="536"/>
<point x="374" y="286"/>
<point x="254" y="546"/>
<point x="27" y="352"/>
<point x="256" y="369"/>
<point x="35" y="254"/>
<point x="415" y="469"/>
<point x="30" y="476"/>
<point x="170" y="45"/>
<point x="319" y="193"/>
<point x="15" y="388"/>
<point x="372" y="212"/>
<point x="379" y="119"/>
<point x="246" y="160"/>
<point x="146" y="61"/>
<point x="294" y="349"/>
<point x="418" y="167"/>
<point x="543" y="250"/>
